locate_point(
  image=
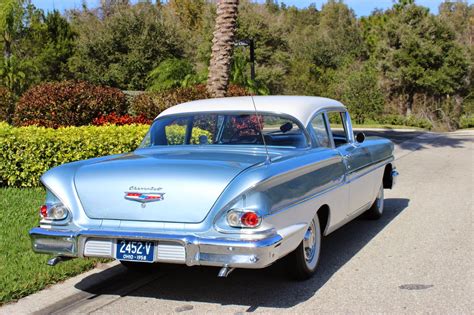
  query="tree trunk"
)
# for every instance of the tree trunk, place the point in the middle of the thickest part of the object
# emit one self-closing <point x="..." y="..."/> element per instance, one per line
<point x="222" y="47"/>
<point x="410" y="101"/>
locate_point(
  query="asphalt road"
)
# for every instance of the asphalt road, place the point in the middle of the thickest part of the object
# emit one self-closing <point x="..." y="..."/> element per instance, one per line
<point x="417" y="258"/>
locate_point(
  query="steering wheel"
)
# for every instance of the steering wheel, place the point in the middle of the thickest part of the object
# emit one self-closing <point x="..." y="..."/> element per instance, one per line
<point x="238" y="131"/>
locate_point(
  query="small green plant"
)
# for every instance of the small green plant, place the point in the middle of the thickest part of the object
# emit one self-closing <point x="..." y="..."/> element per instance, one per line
<point x="171" y="73"/>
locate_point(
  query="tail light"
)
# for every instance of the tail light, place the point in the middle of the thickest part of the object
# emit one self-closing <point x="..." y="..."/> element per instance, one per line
<point x="53" y="209"/>
<point x="54" y="212"/>
<point x="243" y="218"/>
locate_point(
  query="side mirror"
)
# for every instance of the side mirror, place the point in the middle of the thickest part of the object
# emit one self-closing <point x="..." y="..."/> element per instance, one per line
<point x="360" y="137"/>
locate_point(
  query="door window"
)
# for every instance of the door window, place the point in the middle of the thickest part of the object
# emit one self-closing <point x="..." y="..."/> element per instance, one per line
<point x="321" y="131"/>
<point x="337" y="120"/>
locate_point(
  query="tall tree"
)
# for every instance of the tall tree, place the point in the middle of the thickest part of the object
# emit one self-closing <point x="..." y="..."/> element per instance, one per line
<point x="420" y="55"/>
<point x="222" y="47"/>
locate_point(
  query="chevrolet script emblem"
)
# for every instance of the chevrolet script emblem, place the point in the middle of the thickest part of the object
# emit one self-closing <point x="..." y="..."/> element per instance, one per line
<point x="144" y="197"/>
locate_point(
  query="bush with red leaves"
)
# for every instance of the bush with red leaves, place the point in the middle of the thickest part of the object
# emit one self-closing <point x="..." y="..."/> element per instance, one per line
<point x="120" y="120"/>
<point x="67" y="103"/>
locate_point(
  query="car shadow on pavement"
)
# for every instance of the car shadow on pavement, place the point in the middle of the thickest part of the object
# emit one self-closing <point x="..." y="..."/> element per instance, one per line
<point x="269" y="287"/>
<point x="406" y="139"/>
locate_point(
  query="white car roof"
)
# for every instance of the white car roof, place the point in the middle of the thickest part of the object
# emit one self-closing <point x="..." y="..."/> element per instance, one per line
<point x="300" y="107"/>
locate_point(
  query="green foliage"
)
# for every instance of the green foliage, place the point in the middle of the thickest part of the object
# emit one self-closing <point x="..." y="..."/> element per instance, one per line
<point x="151" y="104"/>
<point x="122" y="48"/>
<point x="421" y="62"/>
<point x="466" y="121"/>
<point x="28" y="152"/>
<point x="171" y="73"/>
<point x="175" y="134"/>
<point x="399" y="120"/>
<point x="359" y="90"/>
<point x="23" y="272"/>
<point x="6" y="104"/>
<point x="420" y="55"/>
<point x="67" y="103"/>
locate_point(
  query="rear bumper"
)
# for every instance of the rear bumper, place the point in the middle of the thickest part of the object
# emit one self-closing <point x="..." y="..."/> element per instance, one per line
<point x="192" y="250"/>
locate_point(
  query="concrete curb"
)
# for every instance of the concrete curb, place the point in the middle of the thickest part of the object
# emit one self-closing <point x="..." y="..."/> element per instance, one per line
<point x="60" y="291"/>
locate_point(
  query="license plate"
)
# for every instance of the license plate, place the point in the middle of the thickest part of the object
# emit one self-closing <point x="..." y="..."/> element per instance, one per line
<point x="135" y="251"/>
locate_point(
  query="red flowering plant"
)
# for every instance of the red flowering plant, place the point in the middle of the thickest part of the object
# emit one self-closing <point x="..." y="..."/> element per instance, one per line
<point x="120" y="120"/>
<point x="248" y="125"/>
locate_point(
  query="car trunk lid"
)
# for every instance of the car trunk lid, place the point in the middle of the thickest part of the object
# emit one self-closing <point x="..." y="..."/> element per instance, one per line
<point x="161" y="185"/>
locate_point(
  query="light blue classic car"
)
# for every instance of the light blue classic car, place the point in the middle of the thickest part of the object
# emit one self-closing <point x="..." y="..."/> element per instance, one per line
<point x="233" y="182"/>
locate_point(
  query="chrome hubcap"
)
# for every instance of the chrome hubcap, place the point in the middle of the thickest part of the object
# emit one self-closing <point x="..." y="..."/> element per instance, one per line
<point x="309" y="242"/>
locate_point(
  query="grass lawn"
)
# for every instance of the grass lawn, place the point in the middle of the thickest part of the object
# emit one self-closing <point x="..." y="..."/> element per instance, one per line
<point x="21" y="271"/>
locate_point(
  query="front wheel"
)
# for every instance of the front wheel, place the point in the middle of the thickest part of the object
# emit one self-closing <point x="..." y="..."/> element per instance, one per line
<point x="376" y="210"/>
<point x="303" y="261"/>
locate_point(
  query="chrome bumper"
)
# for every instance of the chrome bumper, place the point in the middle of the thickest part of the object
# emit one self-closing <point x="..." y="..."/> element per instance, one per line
<point x="197" y="250"/>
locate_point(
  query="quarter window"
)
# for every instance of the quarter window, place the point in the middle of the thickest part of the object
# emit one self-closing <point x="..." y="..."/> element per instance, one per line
<point x="320" y="131"/>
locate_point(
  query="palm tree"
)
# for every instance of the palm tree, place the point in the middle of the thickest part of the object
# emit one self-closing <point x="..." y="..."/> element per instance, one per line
<point x="222" y="47"/>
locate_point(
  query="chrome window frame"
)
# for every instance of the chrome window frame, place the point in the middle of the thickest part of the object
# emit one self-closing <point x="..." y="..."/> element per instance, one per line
<point x="346" y="124"/>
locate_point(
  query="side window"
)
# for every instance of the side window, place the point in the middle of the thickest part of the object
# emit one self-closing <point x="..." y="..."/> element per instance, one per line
<point x="321" y="131"/>
<point x="337" y="120"/>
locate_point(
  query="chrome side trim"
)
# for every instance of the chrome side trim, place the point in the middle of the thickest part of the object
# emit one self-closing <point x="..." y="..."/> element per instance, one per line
<point x="367" y="169"/>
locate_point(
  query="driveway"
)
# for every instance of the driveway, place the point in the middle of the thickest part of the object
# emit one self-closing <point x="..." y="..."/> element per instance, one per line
<point x="417" y="258"/>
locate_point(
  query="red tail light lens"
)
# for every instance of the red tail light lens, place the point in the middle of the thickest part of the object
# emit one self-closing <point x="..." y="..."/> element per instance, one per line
<point x="44" y="211"/>
<point x="250" y="219"/>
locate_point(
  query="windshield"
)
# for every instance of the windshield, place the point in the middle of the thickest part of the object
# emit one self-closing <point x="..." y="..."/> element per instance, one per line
<point x="225" y="129"/>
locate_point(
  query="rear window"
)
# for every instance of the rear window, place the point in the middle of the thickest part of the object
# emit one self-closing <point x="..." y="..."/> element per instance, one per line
<point x="226" y="129"/>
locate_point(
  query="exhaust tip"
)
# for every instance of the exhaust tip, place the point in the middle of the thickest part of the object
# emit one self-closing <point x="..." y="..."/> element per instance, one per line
<point x="56" y="260"/>
<point x="225" y="271"/>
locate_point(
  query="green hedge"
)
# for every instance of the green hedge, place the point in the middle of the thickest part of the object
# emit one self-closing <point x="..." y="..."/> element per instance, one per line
<point x="28" y="152"/>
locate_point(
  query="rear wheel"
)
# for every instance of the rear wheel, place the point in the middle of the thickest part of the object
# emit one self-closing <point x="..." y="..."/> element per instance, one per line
<point x="376" y="210"/>
<point x="303" y="261"/>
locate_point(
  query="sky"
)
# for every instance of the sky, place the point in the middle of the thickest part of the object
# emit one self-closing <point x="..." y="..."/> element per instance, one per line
<point x="360" y="7"/>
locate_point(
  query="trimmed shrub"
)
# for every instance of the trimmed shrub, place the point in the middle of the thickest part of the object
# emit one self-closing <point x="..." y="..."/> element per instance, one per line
<point x="153" y="103"/>
<point x="67" y="103"/>
<point x="466" y="121"/>
<point x="175" y="134"/>
<point x="114" y="119"/>
<point x="28" y="152"/>
<point x="7" y="104"/>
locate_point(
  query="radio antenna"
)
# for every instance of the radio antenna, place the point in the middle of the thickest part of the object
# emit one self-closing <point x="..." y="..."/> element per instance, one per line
<point x="259" y="121"/>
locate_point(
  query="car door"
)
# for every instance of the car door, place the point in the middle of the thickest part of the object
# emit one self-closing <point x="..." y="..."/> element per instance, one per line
<point x="321" y="138"/>
<point x="356" y="157"/>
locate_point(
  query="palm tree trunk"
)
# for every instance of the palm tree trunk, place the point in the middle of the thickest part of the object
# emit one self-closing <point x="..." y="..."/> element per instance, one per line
<point x="222" y="47"/>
